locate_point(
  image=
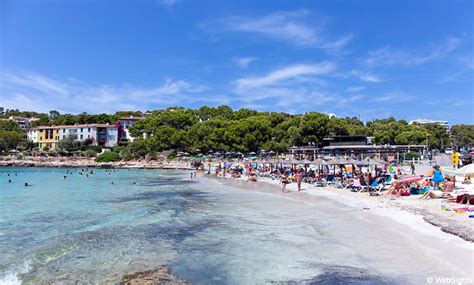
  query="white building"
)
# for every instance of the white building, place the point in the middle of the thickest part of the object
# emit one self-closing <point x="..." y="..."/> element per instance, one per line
<point x="429" y="122"/>
<point x="32" y="135"/>
<point x="98" y="134"/>
<point x="126" y="123"/>
<point x="24" y="123"/>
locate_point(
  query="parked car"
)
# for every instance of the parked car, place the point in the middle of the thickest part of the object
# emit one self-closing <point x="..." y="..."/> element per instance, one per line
<point x="466" y="158"/>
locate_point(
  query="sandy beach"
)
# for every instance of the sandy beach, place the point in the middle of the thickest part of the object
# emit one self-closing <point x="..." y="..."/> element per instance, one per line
<point x="409" y="210"/>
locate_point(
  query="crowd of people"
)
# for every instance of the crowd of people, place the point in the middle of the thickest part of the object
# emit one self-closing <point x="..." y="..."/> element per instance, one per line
<point x="386" y="180"/>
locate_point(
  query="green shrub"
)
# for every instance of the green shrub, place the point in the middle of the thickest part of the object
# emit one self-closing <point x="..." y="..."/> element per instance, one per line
<point x="172" y="155"/>
<point x="108" y="157"/>
<point x="411" y="155"/>
<point x="89" y="153"/>
<point x="20" y="156"/>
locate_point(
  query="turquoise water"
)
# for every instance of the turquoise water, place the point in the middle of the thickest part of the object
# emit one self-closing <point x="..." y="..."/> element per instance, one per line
<point x="87" y="229"/>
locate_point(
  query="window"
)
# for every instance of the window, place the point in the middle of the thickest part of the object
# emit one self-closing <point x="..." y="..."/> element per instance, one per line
<point x="64" y="136"/>
<point x="82" y="136"/>
<point x="89" y="130"/>
<point x="81" y="130"/>
<point x="64" y="130"/>
<point x="41" y="145"/>
<point x="88" y="136"/>
<point x="41" y="138"/>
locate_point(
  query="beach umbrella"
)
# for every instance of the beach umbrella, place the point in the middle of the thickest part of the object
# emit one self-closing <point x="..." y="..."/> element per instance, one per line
<point x="271" y="152"/>
<point x="252" y="153"/>
<point x="446" y="171"/>
<point x="409" y="179"/>
<point x="466" y="170"/>
<point x="352" y="161"/>
<point x="320" y="161"/>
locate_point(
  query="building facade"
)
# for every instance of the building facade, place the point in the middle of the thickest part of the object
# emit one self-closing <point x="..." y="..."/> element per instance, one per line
<point x="429" y="122"/>
<point x="46" y="137"/>
<point x="126" y="123"/>
<point x="98" y="134"/>
<point x="24" y="123"/>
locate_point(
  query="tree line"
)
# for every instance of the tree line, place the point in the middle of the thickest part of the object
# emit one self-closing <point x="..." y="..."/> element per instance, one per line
<point x="224" y="129"/>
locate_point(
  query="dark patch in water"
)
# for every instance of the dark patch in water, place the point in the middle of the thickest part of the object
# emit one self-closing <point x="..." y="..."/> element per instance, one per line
<point x="165" y="182"/>
<point x="340" y="275"/>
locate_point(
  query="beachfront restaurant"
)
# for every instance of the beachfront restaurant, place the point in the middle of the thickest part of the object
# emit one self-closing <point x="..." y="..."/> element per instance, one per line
<point x="355" y="146"/>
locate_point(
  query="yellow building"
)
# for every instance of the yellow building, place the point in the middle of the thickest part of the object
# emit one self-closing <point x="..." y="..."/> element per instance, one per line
<point x="48" y="137"/>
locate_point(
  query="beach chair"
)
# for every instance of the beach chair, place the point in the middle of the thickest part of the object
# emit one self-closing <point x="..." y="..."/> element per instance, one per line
<point x="356" y="186"/>
<point x="376" y="186"/>
<point x="388" y="183"/>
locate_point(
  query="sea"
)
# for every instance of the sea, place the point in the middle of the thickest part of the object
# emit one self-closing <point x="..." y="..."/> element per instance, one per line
<point x="93" y="226"/>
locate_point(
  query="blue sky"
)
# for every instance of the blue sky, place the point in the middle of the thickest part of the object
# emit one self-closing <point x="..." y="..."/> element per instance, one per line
<point x="408" y="59"/>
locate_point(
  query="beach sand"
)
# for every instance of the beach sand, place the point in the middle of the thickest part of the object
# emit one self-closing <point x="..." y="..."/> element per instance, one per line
<point x="413" y="220"/>
<point x="409" y="208"/>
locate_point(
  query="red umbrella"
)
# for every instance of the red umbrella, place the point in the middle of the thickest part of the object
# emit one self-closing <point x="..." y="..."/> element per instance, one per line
<point x="409" y="179"/>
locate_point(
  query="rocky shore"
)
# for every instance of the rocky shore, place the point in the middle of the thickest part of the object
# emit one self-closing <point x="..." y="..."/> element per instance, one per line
<point x="85" y="163"/>
<point x="160" y="275"/>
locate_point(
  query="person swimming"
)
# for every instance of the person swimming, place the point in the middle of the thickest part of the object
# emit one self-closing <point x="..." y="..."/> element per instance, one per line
<point x="26" y="184"/>
<point x="9" y="181"/>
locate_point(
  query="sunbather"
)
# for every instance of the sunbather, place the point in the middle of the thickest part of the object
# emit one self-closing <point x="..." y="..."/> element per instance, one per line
<point x="399" y="189"/>
<point x="434" y="194"/>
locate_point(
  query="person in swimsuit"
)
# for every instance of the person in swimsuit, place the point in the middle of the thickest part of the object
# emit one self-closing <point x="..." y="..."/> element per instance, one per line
<point x="284" y="181"/>
<point x="299" y="179"/>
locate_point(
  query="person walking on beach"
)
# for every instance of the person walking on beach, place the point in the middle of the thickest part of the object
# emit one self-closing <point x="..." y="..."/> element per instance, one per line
<point x="412" y="165"/>
<point x="299" y="179"/>
<point x="284" y="181"/>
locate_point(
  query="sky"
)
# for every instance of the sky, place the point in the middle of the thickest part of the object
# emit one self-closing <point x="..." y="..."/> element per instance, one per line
<point x="368" y="58"/>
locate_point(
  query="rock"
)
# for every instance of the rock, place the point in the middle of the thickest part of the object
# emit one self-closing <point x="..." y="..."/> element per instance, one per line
<point x="160" y="275"/>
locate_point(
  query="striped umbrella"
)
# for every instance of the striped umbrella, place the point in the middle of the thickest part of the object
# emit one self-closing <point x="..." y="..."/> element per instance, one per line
<point x="409" y="179"/>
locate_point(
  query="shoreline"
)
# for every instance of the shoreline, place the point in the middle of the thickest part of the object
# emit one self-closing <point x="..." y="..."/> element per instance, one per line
<point x="88" y="163"/>
<point x="409" y="208"/>
<point x="450" y="222"/>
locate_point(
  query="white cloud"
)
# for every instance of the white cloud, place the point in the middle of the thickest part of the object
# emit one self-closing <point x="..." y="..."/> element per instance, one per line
<point x="393" y="97"/>
<point x="29" y="91"/>
<point x="390" y="56"/>
<point x="366" y="76"/>
<point x="354" y="89"/>
<point x="243" y="62"/>
<point x="292" y="27"/>
<point x="284" y="74"/>
<point x="464" y="71"/>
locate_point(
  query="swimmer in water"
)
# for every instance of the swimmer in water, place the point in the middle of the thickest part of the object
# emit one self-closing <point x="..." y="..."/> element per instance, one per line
<point x="65" y="176"/>
<point x="26" y="184"/>
<point x="9" y="181"/>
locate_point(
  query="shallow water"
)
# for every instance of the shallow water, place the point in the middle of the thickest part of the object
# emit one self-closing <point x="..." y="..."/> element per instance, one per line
<point x="206" y="231"/>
